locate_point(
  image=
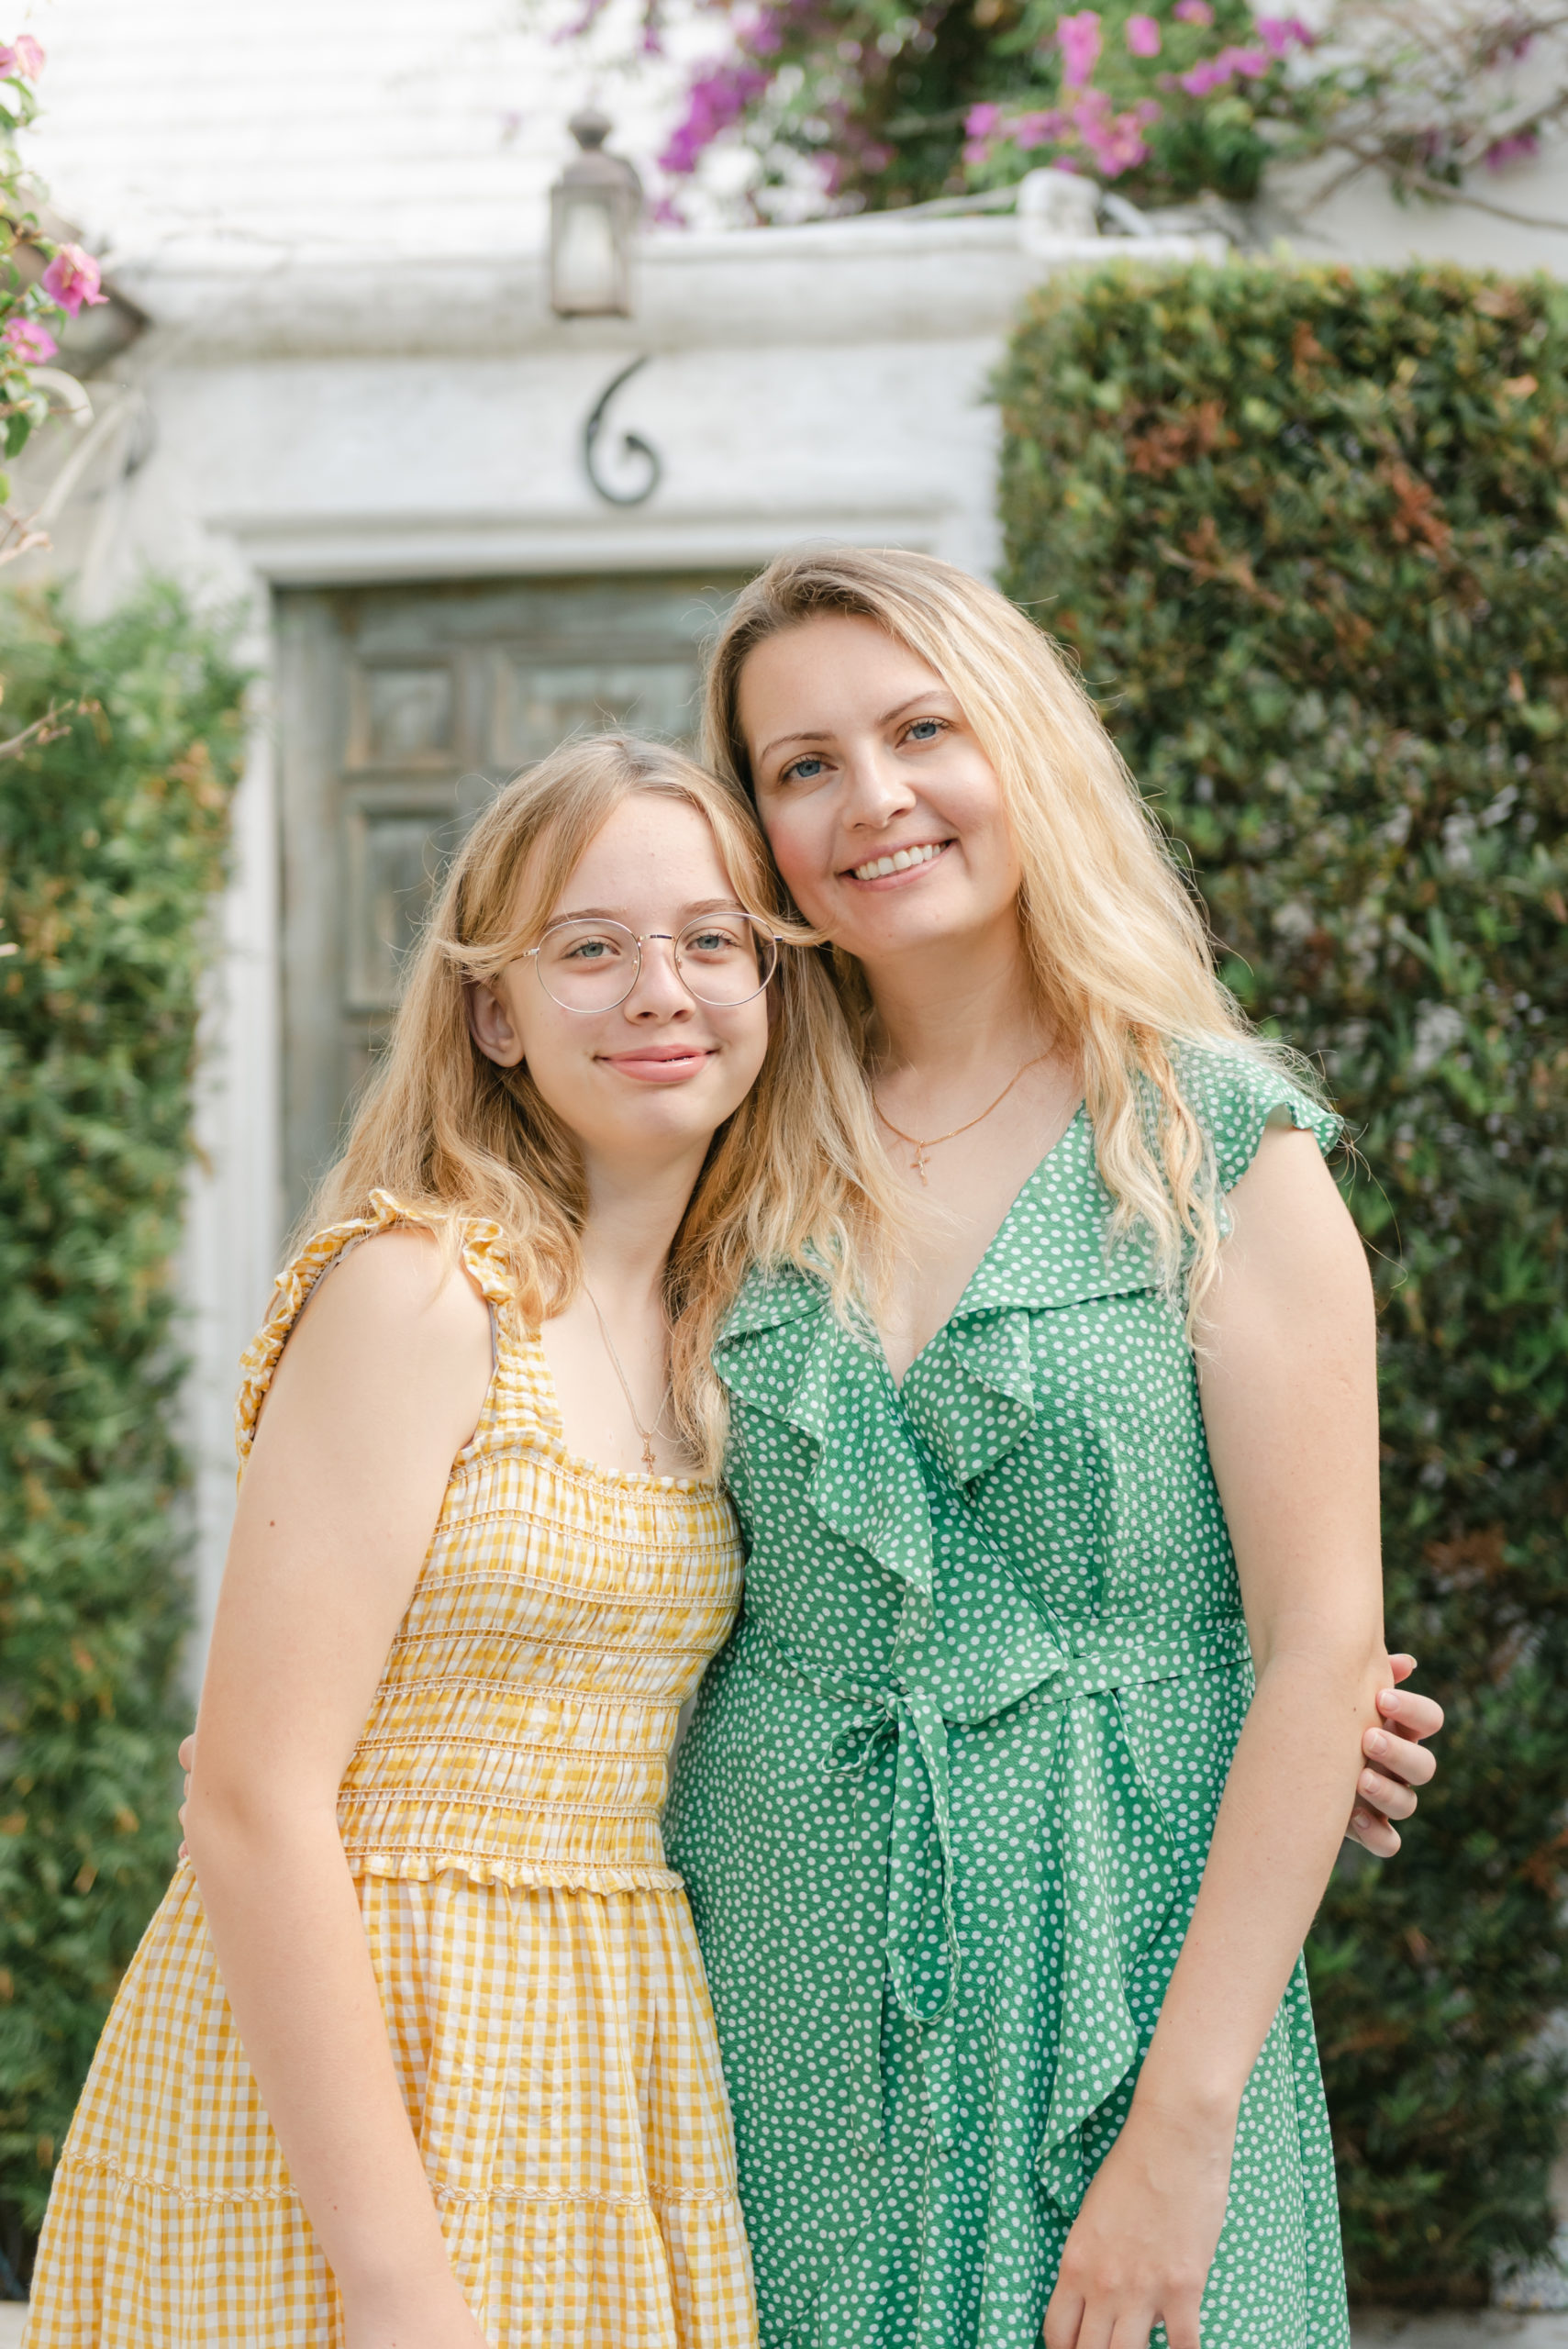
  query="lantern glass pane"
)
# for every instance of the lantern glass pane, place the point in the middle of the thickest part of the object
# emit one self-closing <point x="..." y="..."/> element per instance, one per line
<point x="587" y="269"/>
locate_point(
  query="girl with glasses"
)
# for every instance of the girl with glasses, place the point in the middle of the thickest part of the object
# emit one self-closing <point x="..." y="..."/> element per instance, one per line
<point x="417" y="2052"/>
<point x="1006" y="1809"/>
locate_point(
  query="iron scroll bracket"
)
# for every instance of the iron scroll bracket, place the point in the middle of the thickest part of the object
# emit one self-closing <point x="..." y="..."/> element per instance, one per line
<point x="632" y="445"/>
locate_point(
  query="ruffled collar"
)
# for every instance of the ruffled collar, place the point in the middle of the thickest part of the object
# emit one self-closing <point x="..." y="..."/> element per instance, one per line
<point x="970" y="1394"/>
<point x="830" y="1382"/>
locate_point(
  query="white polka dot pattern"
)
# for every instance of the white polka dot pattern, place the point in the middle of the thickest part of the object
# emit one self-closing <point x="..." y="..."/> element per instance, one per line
<point x="945" y="1807"/>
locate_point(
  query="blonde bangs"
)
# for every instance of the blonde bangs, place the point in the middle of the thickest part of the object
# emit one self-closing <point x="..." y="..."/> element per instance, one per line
<point x="794" y="1176"/>
<point x="1118" y="948"/>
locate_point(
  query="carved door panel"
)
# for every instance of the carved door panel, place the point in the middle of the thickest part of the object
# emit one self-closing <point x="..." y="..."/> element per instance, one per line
<point x="403" y="708"/>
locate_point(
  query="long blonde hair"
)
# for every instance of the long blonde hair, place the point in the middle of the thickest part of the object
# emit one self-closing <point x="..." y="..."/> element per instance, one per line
<point x="1118" y="949"/>
<point x="795" y="1175"/>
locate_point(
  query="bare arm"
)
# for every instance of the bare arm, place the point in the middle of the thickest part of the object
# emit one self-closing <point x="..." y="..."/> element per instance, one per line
<point x="379" y="1388"/>
<point x="1287" y="1377"/>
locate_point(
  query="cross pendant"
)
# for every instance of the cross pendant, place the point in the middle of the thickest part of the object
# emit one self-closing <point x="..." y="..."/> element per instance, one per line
<point x="648" y="1460"/>
<point x="918" y="1164"/>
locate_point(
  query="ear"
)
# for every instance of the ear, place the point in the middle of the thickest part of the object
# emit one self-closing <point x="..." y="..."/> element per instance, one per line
<point x="490" y="1025"/>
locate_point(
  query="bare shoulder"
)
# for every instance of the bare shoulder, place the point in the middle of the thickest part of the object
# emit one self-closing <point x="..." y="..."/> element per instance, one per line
<point x="1288" y="1181"/>
<point x="404" y="1279"/>
<point x="399" y="1319"/>
<point x="1290" y="1230"/>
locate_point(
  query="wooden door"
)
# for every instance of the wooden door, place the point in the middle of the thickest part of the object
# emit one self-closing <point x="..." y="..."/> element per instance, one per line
<point x="403" y="708"/>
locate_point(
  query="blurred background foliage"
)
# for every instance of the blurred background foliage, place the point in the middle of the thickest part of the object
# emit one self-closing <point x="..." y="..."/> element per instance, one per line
<point x="871" y="104"/>
<point x="1307" y="530"/>
<point x="124" y="742"/>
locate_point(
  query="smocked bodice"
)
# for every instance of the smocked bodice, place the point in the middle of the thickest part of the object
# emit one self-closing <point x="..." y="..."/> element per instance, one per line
<point x="523" y="1724"/>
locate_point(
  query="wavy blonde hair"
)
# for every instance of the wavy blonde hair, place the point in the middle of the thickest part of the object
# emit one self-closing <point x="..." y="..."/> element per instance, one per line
<point x="795" y="1175"/>
<point x="1118" y="949"/>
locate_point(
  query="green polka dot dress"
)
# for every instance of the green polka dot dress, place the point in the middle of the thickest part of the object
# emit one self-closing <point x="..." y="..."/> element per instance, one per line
<point x="944" y="1808"/>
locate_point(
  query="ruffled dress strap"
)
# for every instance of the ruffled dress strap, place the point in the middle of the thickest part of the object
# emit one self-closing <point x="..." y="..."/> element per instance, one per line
<point x="1236" y="1097"/>
<point x="480" y="1247"/>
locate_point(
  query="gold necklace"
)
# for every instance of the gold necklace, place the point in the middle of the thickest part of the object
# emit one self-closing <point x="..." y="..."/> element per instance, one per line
<point x="922" y="1149"/>
<point x="648" y="1434"/>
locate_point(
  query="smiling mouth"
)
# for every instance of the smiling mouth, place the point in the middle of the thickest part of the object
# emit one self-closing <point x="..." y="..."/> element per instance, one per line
<point x="659" y="1063"/>
<point x="898" y="859"/>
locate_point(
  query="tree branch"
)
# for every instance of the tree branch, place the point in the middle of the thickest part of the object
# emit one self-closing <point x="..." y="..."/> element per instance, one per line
<point x="54" y="722"/>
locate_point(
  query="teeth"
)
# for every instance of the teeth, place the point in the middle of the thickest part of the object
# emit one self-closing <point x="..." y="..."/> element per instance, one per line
<point x="899" y="862"/>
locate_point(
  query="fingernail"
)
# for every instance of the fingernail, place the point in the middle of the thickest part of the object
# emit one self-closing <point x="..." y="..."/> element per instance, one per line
<point x="1389" y="1696"/>
<point x="1376" y="1741"/>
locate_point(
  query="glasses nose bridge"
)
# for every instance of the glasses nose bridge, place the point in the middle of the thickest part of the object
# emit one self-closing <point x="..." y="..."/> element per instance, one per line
<point x="658" y="938"/>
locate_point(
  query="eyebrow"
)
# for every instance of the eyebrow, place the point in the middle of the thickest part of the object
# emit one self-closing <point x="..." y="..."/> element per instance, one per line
<point x="691" y="912"/>
<point x="824" y="733"/>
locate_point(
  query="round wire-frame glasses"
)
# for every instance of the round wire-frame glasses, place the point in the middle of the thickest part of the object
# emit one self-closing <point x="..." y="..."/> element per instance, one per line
<point x="721" y="959"/>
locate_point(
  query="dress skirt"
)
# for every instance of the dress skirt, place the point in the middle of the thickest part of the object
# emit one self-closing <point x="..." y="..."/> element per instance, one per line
<point x="555" y="2050"/>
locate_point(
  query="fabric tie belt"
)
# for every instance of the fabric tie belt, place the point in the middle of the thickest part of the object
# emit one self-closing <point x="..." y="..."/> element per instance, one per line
<point x="911" y="1712"/>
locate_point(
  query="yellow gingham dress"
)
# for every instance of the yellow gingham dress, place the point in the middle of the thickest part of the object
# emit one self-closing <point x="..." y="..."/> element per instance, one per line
<point x="543" y="1990"/>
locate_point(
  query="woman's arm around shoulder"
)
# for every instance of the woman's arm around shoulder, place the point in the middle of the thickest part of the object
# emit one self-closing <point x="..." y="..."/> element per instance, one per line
<point x="380" y="1386"/>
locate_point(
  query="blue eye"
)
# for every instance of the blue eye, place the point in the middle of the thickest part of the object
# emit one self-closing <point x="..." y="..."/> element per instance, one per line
<point x="804" y="771"/>
<point x="932" y="726"/>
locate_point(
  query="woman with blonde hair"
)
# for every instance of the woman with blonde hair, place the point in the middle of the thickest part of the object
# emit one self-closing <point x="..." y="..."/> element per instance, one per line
<point x="417" y="2052"/>
<point x="1007" y="1807"/>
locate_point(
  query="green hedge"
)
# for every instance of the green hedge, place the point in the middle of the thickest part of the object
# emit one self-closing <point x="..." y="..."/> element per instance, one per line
<point x="1307" y="530"/>
<point x="113" y="832"/>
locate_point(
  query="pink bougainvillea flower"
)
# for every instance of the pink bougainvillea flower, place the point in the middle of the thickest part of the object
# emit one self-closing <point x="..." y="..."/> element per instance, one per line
<point x="73" y="278"/>
<point x="1115" y="141"/>
<point x="1211" y="74"/>
<point x="1143" y="37"/>
<point x="1515" y="149"/>
<point x="713" y="101"/>
<point x="1032" y="130"/>
<point x="25" y="340"/>
<point x="21" y="59"/>
<point x="1079" y="37"/>
<point x="983" y="128"/>
<point x="763" y="35"/>
<point x="1281" y="34"/>
<point x="1192" y="12"/>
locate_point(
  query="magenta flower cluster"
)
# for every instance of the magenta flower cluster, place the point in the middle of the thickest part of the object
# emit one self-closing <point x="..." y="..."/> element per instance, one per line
<point x="715" y="100"/>
<point x="26" y="340"/>
<point x="73" y="279"/>
<point x="1084" y="125"/>
<point x="1080" y="42"/>
<point x="1517" y="148"/>
<point x="1087" y="120"/>
<point x="70" y="278"/>
<point x="20" y="60"/>
<point x="1211" y="74"/>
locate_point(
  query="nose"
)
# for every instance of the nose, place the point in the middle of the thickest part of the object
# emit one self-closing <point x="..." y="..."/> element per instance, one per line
<point x="660" y="993"/>
<point x="878" y="791"/>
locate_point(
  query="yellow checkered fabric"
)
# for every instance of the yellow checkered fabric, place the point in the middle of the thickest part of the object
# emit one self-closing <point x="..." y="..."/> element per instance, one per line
<point x="541" y="1982"/>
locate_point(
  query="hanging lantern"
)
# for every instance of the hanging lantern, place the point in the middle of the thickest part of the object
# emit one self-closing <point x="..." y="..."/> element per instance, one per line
<point x="594" y="207"/>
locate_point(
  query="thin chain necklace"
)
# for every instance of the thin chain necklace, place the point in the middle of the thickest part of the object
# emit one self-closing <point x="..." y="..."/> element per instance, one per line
<point x="648" y="1434"/>
<point x="923" y="1149"/>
